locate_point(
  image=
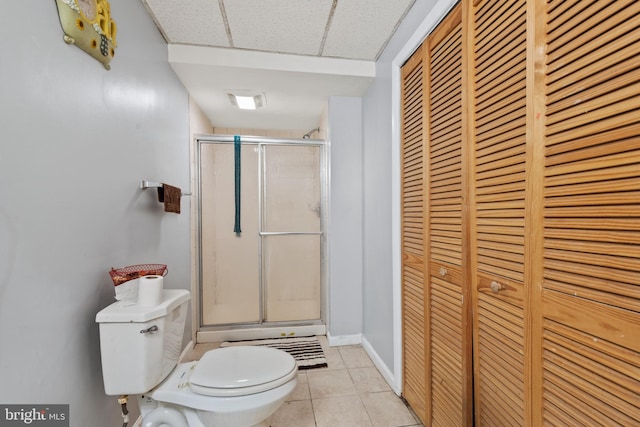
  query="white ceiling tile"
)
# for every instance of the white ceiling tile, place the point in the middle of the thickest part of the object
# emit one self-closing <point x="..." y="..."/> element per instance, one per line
<point x="264" y="32"/>
<point x="190" y="22"/>
<point x="285" y="26"/>
<point x="360" y="28"/>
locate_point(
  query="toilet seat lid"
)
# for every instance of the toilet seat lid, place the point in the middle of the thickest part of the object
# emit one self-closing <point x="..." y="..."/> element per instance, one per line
<point x="241" y="370"/>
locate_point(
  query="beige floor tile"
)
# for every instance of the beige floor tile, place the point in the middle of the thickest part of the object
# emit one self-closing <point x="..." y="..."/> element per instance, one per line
<point x="350" y="392"/>
<point x="324" y="342"/>
<point x="368" y="380"/>
<point x="387" y="410"/>
<point x="355" y="357"/>
<point x="301" y="392"/>
<point x="323" y="383"/>
<point x="346" y="411"/>
<point x="293" y="414"/>
<point x="334" y="358"/>
<point x="415" y="416"/>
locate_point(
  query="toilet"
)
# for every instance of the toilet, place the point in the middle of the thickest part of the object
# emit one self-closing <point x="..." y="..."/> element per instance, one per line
<point x="231" y="387"/>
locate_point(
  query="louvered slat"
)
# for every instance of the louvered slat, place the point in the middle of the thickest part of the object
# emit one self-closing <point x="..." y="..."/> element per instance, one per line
<point x="500" y="130"/>
<point x="577" y="373"/>
<point x="501" y="362"/>
<point x="445" y="225"/>
<point x="592" y="214"/>
<point x="445" y="145"/>
<point x="413" y="242"/>
<point x="595" y="180"/>
<point x="446" y="353"/>
<point x="499" y="144"/>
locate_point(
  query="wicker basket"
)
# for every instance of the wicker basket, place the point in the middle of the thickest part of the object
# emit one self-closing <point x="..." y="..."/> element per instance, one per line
<point x="124" y="274"/>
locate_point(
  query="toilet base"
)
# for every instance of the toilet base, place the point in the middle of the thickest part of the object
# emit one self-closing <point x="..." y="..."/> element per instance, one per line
<point x="156" y="414"/>
<point x="205" y="411"/>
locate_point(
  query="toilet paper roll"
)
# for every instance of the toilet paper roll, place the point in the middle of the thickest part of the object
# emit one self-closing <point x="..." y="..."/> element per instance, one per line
<point x="150" y="290"/>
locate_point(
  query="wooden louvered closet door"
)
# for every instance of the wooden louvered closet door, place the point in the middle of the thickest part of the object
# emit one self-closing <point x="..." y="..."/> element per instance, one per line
<point x="591" y="255"/>
<point x="414" y="181"/>
<point x="448" y="310"/>
<point x="499" y="133"/>
<point x="521" y="216"/>
<point x="437" y="358"/>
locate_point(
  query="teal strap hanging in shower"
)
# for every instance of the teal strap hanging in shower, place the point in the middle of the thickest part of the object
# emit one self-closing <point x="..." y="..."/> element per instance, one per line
<point x="237" y="145"/>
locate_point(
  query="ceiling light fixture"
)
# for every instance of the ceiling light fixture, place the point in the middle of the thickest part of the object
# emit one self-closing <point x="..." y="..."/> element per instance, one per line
<point x="247" y="100"/>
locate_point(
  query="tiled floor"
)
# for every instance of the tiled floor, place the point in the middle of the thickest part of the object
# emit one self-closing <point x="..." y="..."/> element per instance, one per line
<point x="350" y="392"/>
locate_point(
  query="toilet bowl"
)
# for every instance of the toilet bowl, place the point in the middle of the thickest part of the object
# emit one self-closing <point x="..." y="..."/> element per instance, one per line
<point x="230" y="387"/>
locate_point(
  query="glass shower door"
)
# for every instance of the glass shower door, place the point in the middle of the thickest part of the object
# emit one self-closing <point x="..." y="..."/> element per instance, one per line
<point x="272" y="271"/>
<point x="229" y="262"/>
<point x="291" y="232"/>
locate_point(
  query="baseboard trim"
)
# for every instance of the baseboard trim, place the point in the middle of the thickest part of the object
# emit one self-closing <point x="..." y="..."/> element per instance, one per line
<point x="259" y="333"/>
<point x="382" y="367"/>
<point x="340" y="340"/>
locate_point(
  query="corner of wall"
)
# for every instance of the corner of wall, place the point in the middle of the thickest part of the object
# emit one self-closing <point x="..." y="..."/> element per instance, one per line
<point x="395" y="382"/>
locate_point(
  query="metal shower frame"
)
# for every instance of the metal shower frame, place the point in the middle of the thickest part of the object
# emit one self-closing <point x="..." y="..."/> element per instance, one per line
<point x="324" y="209"/>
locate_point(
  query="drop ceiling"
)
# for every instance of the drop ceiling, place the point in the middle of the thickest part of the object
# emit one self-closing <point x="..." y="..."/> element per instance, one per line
<point x="298" y="52"/>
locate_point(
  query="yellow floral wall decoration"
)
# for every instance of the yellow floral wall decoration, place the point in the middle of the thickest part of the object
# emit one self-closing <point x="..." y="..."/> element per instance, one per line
<point x="88" y="25"/>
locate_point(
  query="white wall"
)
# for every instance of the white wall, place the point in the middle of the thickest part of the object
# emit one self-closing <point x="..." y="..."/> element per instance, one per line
<point x="380" y="185"/>
<point x="75" y="141"/>
<point x="344" y="320"/>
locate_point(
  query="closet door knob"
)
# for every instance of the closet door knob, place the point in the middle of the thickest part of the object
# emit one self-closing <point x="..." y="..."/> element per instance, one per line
<point x="496" y="287"/>
<point x="443" y="271"/>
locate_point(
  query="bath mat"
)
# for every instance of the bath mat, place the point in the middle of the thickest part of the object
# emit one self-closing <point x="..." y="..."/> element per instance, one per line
<point x="306" y="350"/>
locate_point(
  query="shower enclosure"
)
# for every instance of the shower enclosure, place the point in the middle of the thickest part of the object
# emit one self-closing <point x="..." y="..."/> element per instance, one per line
<point x="272" y="273"/>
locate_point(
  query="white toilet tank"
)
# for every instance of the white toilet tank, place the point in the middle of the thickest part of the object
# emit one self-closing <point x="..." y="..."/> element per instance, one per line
<point x="140" y="346"/>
